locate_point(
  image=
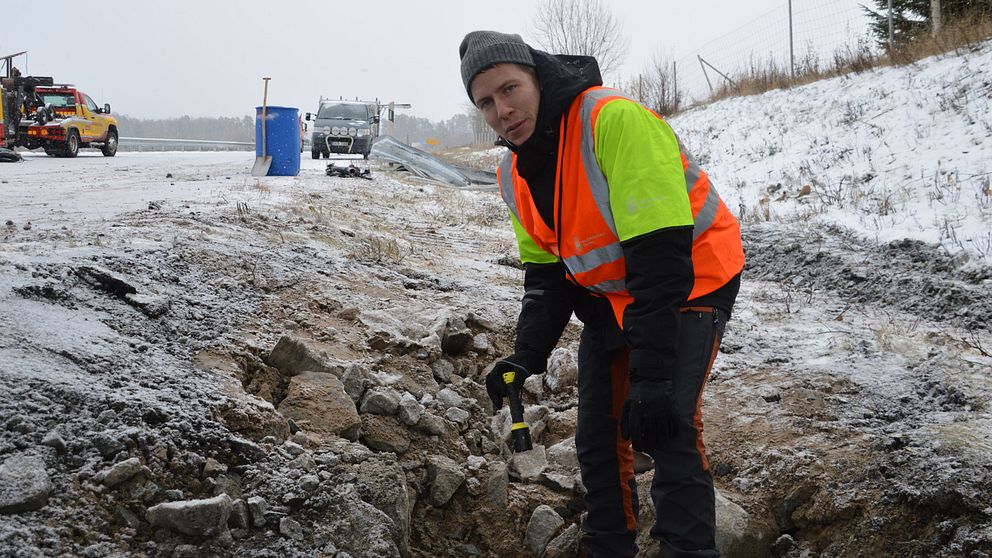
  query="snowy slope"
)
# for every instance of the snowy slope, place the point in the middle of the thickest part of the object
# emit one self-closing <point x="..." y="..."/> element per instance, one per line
<point x="899" y="152"/>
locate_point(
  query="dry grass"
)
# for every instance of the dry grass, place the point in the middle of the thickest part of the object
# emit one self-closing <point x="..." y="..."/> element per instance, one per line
<point x="956" y="36"/>
<point x="761" y="76"/>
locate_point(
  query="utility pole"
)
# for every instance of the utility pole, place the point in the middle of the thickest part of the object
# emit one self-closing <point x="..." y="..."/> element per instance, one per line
<point x="675" y="85"/>
<point x="792" y="52"/>
<point x="935" y="17"/>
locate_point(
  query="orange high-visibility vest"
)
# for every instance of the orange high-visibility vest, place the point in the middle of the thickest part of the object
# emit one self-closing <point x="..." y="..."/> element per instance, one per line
<point x="587" y="241"/>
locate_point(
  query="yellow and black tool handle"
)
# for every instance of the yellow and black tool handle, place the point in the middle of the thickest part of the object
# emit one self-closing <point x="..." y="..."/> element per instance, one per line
<point x="519" y="431"/>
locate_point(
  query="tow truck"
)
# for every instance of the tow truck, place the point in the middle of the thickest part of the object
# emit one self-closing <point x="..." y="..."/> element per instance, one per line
<point x="37" y="113"/>
<point x="69" y="121"/>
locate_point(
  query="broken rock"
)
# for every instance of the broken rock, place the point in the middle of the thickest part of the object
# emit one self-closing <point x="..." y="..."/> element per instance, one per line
<point x="528" y="465"/>
<point x="563" y="371"/>
<point x="381" y="401"/>
<point x="442" y="369"/>
<point x="564" y="454"/>
<point x="384" y="434"/>
<point x="119" y="473"/>
<point x="448" y="397"/>
<point x="24" y="484"/>
<point x="410" y="410"/>
<point x="106" y="280"/>
<point x="458" y="416"/>
<point x="542" y="527"/>
<point x="738" y="535"/>
<point x="193" y="517"/>
<point x="565" y="545"/>
<point x="498" y="484"/>
<point x="446" y="477"/>
<point x="293" y="355"/>
<point x="457" y="336"/>
<point x="318" y="403"/>
<point x="153" y="306"/>
<point x="431" y="424"/>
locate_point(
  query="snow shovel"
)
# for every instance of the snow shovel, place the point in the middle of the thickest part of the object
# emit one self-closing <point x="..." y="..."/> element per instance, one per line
<point x="263" y="162"/>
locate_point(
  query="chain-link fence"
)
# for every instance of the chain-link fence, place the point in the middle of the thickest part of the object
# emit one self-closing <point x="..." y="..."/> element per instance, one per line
<point x="800" y="36"/>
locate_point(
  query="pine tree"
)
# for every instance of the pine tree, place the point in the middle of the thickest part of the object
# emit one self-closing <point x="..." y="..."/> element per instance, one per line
<point x="910" y="18"/>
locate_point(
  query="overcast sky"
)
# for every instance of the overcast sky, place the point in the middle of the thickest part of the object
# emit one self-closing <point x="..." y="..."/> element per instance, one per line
<point x="152" y="59"/>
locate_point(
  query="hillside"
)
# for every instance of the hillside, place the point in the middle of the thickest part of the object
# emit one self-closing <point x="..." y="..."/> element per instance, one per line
<point x="894" y="153"/>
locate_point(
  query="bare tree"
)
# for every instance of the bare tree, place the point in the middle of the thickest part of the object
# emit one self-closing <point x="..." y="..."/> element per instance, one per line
<point x="663" y="94"/>
<point x="657" y="87"/>
<point x="481" y="132"/>
<point x="584" y="27"/>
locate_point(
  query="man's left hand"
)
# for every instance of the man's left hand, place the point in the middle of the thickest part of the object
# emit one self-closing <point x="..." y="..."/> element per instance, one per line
<point x="649" y="418"/>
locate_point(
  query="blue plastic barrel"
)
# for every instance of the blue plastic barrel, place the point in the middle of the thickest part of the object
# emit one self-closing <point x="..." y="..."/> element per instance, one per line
<point x="282" y="139"/>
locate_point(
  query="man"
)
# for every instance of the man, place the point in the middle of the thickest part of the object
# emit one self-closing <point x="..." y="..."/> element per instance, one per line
<point x="616" y="223"/>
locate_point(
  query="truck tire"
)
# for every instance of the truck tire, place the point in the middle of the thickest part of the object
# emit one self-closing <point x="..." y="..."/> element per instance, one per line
<point x="71" y="148"/>
<point x="314" y="154"/>
<point x="109" y="148"/>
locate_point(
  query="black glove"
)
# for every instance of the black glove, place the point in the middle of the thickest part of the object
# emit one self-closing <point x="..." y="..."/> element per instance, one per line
<point x="496" y="386"/>
<point x="649" y="418"/>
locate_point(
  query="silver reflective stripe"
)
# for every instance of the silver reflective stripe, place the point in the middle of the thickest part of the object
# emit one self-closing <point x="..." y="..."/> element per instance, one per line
<point x="608" y="287"/>
<point x="597" y="180"/>
<point x="506" y="184"/>
<point x="692" y="170"/>
<point x="594" y="258"/>
<point x="691" y="174"/>
<point x="707" y="214"/>
<point x="600" y="190"/>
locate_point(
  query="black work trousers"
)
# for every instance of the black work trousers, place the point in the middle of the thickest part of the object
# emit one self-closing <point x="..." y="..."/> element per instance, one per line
<point x="682" y="489"/>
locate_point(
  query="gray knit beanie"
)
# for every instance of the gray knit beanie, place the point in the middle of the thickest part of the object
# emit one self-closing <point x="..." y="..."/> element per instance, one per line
<point x="481" y="49"/>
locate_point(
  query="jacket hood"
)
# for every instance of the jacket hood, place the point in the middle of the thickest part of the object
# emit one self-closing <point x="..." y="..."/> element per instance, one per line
<point x="561" y="77"/>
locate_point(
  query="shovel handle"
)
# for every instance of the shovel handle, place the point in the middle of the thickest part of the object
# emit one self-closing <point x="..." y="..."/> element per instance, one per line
<point x="265" y="98"/>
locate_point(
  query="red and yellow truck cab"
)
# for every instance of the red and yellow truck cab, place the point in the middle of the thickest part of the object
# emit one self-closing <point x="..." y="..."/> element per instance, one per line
<point x="69" y="121"/>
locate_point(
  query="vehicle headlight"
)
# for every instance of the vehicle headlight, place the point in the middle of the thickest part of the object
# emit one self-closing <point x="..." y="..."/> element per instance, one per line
<point x="362" y="132"/>
<point x="326" y="130"/>
<point x="335" y="130"/>
<point x="352" y="132"/>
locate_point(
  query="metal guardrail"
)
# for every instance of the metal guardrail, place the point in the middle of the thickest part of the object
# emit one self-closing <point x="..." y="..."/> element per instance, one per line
<point x="171" y="144"/>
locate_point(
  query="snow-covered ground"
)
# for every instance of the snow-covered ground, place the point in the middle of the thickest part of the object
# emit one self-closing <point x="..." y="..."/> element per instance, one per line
<point x="50" y="192"/>
<point x="897" y="152"/>
<point x="847" y="416"/>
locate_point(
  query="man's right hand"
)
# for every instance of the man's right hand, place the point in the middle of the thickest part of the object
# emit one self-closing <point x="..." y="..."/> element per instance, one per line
<point x="496" y="385"/>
